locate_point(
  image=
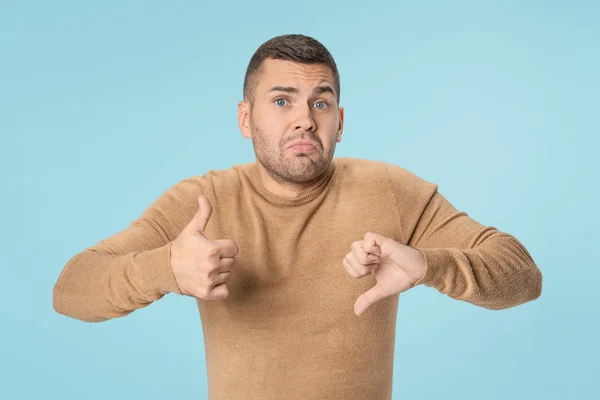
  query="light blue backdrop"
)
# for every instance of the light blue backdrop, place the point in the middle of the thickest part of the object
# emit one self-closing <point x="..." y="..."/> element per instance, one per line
<point x="104" y="106"/>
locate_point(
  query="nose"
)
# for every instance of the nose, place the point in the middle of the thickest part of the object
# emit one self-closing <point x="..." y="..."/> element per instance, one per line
<point x="304" y="119"/>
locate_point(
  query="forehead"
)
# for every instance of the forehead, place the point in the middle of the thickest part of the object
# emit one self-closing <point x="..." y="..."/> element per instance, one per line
<point x="290" y="73"/>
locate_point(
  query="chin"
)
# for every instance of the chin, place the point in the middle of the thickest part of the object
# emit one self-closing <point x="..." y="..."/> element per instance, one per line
<point x="295" y="168"/>
<point x="304" y="174"/>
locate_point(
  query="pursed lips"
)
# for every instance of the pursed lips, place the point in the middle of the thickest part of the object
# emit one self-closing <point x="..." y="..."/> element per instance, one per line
<point x="302" y="145"/>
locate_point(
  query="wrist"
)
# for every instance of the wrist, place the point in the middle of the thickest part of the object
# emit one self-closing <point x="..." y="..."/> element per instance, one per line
<point x="419" y="266"/>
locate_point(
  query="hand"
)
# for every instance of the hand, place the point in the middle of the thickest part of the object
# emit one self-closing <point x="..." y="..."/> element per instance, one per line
<point x="202" y="266"/>
<point x="396" y="267"/>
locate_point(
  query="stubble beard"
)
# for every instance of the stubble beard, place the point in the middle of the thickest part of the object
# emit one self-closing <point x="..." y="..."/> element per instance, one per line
<point x="286" y="166"/>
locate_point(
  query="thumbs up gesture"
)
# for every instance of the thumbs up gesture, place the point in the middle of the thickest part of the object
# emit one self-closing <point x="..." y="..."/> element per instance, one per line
<point x="202" y="266"/>
<point x="396" y="267"/>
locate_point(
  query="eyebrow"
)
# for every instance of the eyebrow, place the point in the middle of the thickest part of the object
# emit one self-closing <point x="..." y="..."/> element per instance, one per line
<point x="291" y="89"/>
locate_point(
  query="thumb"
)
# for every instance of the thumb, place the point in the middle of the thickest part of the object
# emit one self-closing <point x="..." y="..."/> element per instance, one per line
<point x="202" y="215"/>
<point x="369" y="298"/>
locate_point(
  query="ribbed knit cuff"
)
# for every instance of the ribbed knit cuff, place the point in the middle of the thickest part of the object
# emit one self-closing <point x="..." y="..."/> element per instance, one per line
<point x="436" y="261"/>
<point x="153" y="269"/>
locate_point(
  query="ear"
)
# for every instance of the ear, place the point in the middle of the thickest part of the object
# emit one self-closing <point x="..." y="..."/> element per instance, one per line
<point x="244" y="118"/>
<point x="341" y="128"/>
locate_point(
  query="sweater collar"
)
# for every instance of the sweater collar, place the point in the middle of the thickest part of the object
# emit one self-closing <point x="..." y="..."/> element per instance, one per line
<point x="256" y="181"/>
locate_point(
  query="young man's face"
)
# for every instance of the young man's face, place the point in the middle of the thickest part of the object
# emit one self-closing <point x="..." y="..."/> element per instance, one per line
<point x="293" y="102"/>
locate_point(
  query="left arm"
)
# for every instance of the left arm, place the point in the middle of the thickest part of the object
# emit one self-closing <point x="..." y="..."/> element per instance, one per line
<point x="472" y="262"/>
<point x="445" y="249"/>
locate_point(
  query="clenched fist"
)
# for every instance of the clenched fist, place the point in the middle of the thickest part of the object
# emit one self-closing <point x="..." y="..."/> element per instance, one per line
<point x="202" y="266"/>
<point x="396" y="267"/>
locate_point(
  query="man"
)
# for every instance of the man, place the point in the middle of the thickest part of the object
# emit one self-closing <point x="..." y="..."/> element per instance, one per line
<point x="297" y="261"/>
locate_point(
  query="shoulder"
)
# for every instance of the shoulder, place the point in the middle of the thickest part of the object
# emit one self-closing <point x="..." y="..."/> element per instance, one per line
<point x="187" y="190"/>
<point x="360" y="174"/>
<point x="213" y="178"/>
<point x="179" y="202"/>
<point x="380" y="172"/>
<point x="403" y="185"/>
<point x="227" y="182"/>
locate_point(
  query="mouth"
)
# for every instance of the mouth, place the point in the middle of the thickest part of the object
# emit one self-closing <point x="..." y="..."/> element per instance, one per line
<point x="303" y="148"/>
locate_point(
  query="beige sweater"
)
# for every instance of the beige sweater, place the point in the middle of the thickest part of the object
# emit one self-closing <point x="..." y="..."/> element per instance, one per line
<point x="287" y="329"/>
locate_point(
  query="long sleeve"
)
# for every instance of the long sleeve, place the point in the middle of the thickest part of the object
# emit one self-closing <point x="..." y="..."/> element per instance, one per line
<point x="465" y="259"/>
<point x="130" y="269"/>
<point x="473" y="262"/>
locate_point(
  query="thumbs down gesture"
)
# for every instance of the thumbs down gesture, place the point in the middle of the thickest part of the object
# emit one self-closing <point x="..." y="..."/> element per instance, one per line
<point x="396" y="267"/>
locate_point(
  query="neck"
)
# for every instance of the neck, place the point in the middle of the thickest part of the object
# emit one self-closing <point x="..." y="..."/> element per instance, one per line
<point x="287" y="189"/>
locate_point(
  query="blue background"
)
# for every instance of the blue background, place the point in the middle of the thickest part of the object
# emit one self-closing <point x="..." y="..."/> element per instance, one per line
<point x="104" y="106"/>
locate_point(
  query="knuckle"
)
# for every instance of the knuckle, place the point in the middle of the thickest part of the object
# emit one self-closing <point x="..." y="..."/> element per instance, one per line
<point x="205" y="292"/>
<point x="225" y="292"/>
<point x="364" y="258"/>
<point x="205" y="276"/>
<point x="349" y="269"/>
<point x="204" y="283"/>
<point x="199" y="292"/>
<point x="213" y="264"/>
<point x="212" y="250"/>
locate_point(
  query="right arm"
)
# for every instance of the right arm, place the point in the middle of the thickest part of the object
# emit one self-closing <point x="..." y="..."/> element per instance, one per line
<point x="130" y="269"/>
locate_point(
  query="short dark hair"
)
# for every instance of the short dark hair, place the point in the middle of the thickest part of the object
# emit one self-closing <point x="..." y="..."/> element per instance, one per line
<point x="294" y="47"/>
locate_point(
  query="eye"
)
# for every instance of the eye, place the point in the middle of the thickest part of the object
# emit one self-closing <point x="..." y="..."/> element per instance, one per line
<point x="280" y="102"/>
<point x="321" y="105"/>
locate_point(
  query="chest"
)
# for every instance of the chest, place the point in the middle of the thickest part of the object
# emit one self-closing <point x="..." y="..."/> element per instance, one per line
<point x="290" y="261"/>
